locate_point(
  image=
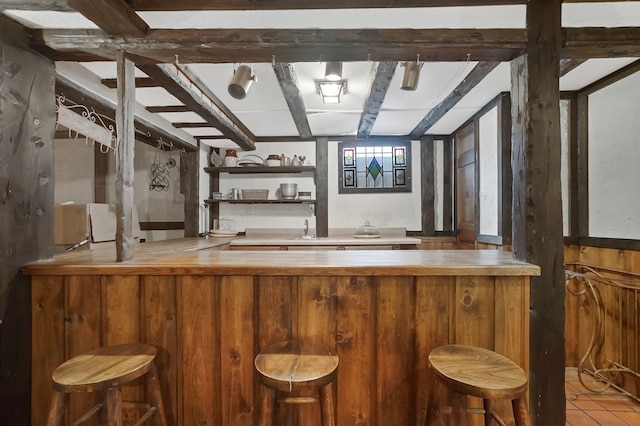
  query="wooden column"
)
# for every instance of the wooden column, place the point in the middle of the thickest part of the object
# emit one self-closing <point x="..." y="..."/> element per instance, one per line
<point x="537" y="203"/>
<point x="124" y="157"/>
<point x="322" y="187"/>
<point x="427" y="185"/>
<point x="190" y="166"/>
<point x="505" y="178"/>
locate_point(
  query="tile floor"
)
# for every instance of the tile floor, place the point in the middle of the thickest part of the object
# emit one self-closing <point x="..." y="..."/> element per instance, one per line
<point x="585" y="408"/>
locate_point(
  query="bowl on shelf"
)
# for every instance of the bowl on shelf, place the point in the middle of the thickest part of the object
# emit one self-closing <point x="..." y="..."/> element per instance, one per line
<point x="273" y="161"/>
<point x="288" y="191"/>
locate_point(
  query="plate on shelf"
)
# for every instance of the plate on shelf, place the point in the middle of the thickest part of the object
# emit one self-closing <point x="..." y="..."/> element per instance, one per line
<point x="222" y="233"/>
<point x="366" y="236"/>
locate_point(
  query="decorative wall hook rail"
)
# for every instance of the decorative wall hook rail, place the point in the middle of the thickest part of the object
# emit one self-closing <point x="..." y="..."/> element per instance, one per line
<point x="611" y="301"/>
<point x="84" y="121"/>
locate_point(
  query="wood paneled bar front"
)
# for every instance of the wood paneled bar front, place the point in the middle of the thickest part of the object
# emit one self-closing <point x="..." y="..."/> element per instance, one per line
<point x="211" y="311"/>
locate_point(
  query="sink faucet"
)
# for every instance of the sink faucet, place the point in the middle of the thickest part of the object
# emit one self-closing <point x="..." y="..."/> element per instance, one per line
<point x="306" y="227"/>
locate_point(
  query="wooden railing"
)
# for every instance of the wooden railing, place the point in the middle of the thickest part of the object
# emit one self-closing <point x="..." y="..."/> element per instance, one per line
<point x="609" y="301"/>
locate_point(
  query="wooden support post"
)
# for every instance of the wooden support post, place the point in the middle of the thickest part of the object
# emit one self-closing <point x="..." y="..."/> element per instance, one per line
<point x="322" y="187"/>
<point x="124" y="157"/>
<point x="427" y="184"/>
<point x="537" y="203"/>
<point x="190" y="166"/>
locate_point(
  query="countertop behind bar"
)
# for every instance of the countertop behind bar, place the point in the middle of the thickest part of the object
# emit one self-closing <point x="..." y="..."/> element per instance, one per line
<point x="201" y="256"/>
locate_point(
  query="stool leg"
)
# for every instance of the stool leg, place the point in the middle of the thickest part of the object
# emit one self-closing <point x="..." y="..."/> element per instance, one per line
<point x="153" y="387"/>
<point x="267" y="406"/>
<point x="56" y="410"/>
<point x="459" y="408"/>
<point x="113" y="409"/>
<point x="521" y="411"/>
<point x="489" y="420"/>
<point x="326" y="406"/>
<point x="434" y="418"/>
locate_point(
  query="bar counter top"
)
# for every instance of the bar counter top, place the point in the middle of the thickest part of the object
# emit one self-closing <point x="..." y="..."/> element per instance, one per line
<point x="203" y="256"/>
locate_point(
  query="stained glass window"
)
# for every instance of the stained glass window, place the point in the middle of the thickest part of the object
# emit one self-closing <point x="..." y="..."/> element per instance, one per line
<point x="374" y="167"/>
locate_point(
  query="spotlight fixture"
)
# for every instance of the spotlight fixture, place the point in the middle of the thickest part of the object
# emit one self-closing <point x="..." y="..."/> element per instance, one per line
<point x="411" y="75"/>
<point x="331" y="91"/>
<point x="333" y="71"/>
<point x="241" y="81"/>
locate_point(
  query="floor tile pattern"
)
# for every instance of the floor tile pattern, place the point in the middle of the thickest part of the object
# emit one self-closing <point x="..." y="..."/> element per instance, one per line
<point x="584" y="408"/>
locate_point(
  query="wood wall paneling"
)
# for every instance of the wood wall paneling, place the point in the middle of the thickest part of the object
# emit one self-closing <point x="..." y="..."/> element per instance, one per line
<point x="209" y="329"/>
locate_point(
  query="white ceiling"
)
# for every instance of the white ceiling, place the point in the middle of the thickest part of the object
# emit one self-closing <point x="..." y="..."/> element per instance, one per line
<point x="265" y="112"/>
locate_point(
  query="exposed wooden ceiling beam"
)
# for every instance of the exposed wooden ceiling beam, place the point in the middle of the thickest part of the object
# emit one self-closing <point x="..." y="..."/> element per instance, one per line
<point x="191" y="125"/>
<point x="286" y="75"/>
<point x="378" y="91"/>
<point x="479" y="72"/>
<point x="112" y="83"/>
<point x="171" y="5"/>
<point x="261" y="139"/>
<point x="294" y="45"/>
<point x="591" y="42"/>
<point x="297" y="4"/>
<point x="146" y="131"/>
<point x="217" y="101"/>
<point x="55" y="5"/>
<point x="168" y="108"/>
<point x="167" y="75"/>
<point x="115" y="17"/>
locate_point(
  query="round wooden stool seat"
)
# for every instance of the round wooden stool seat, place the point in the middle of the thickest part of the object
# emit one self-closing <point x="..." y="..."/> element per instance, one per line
<point x="479" y="372"/>
<point x="292" y="366"/>
<point x="106" y="370"/>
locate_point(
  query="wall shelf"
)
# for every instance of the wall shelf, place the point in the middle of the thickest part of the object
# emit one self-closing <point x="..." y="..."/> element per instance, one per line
<point x="260" y="169"/>
<point x="257" y="201"/>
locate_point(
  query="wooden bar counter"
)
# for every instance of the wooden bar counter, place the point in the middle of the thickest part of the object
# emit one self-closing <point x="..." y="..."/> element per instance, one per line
<point x="210" y="311"/>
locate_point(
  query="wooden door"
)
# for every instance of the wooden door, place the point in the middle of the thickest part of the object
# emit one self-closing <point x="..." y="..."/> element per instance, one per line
<point x="466" y="184"/>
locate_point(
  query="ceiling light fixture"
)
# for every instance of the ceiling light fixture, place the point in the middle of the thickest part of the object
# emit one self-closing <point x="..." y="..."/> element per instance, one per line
<point x="241" y="81"/>
<point x="333" y="71"/>
<point x="331" y="91"/>
<point x="411" y="75"/>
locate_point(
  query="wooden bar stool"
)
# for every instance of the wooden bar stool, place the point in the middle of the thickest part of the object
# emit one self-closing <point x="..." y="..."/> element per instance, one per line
<point x="292" y="366"/>
<point x="106" y="370"/>
<point x="469" y="370"/>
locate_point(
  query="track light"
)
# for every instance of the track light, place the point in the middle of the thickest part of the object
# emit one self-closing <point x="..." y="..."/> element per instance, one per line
<point x="411" y="75"/>
<point x="242" y="79"/>
<point x="333" y="71"/>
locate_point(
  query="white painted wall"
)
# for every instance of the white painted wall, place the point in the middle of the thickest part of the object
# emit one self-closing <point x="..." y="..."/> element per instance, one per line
<point x="74" y="171"/>
<point x="381" y="210"/>
<point x="614" y="160"/>
<point x="489" y="171"/>
<point x="565" y="166"/>
<point x="345" y="210"/>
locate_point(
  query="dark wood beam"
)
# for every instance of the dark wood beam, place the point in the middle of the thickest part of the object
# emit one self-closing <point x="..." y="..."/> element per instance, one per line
<point x="191" y="125"/>
<point x="592" y="42"/>
<point x="479" y="72"/>
<point x="537" y="204"/>
<point x="146" y="131"/>
<point x="377" y="93"/>
<point x="217" y="101"/>
<point x="114" y="17"/>
<point x="55" y="5"/>
<point x="125" y="150"/>
<point x="286" y="76"/>
<point x="167" y="76"/>
<point x="261" y="138"/>
<point x="296" y="4"/>
<point x="293" y="45"/>
<point x="112" y="83"/>
<point x="168" y="108"/>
